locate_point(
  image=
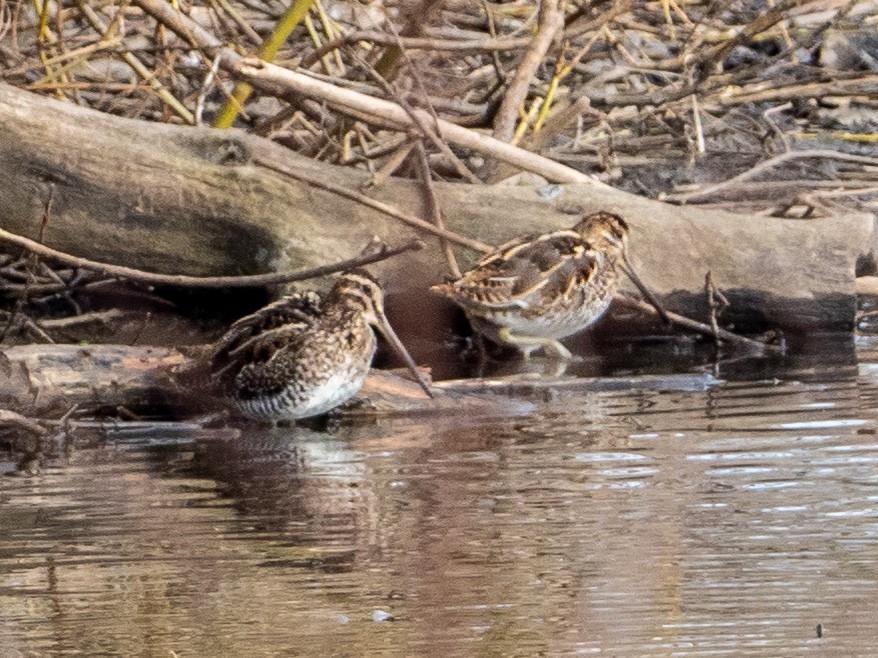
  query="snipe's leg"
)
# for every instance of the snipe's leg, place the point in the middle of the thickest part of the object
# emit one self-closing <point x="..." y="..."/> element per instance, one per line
<point x="528" y="344"/>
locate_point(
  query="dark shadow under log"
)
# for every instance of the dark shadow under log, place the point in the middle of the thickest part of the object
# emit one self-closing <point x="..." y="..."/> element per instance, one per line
<point x="191" y="201"/>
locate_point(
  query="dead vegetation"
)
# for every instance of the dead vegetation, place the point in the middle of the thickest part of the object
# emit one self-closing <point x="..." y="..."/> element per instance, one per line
<point x="754" y="106"/>
<point x="664" y="98"/>
<point x="765" y="106"/>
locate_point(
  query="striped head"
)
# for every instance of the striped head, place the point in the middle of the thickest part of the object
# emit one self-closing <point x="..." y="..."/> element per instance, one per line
<point x="357" y="291"/>
<point x="605" y="232"/>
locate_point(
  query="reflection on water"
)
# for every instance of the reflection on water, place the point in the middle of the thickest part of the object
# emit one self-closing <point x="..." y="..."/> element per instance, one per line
<point x="731" y="522"/>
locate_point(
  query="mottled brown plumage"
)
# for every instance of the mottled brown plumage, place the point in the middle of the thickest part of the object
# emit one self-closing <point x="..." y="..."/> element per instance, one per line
<point x="303" y="356"/>
<point x="536" y="289"/>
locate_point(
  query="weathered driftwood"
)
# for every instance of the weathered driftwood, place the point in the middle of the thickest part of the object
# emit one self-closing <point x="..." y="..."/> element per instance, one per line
<point x="193" y="201"/>
<point x="48" y="380"/>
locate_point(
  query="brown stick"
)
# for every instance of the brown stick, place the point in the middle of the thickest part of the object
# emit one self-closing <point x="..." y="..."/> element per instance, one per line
<point x="249" y="281"/>
<point x="475" y="245"/>
<point x="11" y="418"/>
<point x="434" y="206"/>
<point x="699" y="327"/>
<point x="768" y="164"/>
<point x="551" y="23"/>
<point x="281" y="82"/>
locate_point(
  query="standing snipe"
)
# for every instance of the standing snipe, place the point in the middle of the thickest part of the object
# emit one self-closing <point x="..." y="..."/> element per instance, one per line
<point x="304" y="355"/>
<point x="534" y="290"/>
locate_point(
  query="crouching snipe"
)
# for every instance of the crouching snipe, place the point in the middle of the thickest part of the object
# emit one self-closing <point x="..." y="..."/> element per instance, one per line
<point x="535" y="290"/>
<point x="304" y="355"/>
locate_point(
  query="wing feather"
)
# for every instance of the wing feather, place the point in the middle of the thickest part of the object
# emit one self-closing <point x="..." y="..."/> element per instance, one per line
<point x="298" y="308"/>
<point x="266" y="339"/>
<point x="522" y="272"/>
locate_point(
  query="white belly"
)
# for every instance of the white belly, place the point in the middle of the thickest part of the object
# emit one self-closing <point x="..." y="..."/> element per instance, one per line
<point x="554" y="326"/>
<point x="337" y="390"/>
<point x="314" y="400"/>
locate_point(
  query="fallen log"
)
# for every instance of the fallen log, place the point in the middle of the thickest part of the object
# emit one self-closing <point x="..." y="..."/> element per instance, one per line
<point x="48" y="380"/>
<point x="204" y="202"/>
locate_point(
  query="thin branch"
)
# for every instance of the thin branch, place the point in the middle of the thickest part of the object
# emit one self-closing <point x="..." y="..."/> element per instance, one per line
<point x="389" y="210"/>
<point x="278" y="81"/>
<point x="23" y="422"/>
<point x="182" y="280"/>
<point x="103" y="317"/>
<point x="551" y="23"/>
<point x="768" y="164"/>
<point x="699" y="327"/>
<point x="434" y="207"/>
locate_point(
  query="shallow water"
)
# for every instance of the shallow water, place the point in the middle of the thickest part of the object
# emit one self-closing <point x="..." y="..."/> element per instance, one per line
<point x="725" y="522"/>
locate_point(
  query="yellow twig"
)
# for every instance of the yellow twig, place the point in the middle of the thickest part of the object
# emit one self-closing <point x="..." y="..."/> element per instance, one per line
<point x="329" y="26"/>
<point x="863" y="138"/>
<point x="559" y="73"/>
<point x="295" y="13"/>
<point x="666" y="10"/>
<point x="312" y="32"/>
<point x="44" y="36"/>
<point x="527" y="119"/>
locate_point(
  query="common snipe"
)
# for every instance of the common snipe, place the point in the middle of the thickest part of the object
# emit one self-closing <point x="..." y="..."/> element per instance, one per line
<point x="536" y="289"/>
<point x="304" y="355"/>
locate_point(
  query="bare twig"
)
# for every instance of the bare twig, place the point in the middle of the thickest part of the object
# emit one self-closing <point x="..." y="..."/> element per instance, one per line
<point x="182" y="280"/>
<point x="206" y="86"/>
<point x="699" y="327"/>
<point x="416" y="222"/>
<point x="768" y="164"/>
<point x="102" y="317"/>
<point x="278" y="81"/>
<point x="551" y="23"/>
<point x="433" y="206"/>
<point x="716" y="303"/>
<point x="22" y="422"/>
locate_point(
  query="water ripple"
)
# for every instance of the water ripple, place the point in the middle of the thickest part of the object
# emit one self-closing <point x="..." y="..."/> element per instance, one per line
<point x="725" y="522"/>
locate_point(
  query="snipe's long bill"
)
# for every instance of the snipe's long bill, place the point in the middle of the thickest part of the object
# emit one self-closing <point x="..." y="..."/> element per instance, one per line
<point x="304" y="355"/>
<point x="531" y="292"/>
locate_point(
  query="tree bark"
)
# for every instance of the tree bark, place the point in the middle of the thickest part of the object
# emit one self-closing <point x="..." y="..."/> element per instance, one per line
<point x="193" y="201"/>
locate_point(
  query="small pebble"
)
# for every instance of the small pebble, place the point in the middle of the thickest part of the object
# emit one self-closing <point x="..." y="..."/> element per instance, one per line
<point x="381" y="615"/>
